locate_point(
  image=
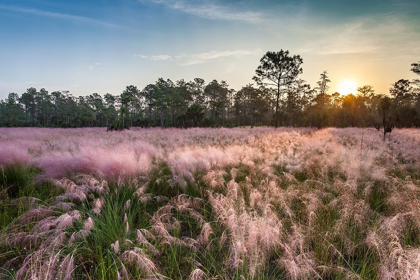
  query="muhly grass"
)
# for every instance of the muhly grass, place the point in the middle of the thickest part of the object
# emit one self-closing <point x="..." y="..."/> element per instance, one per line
<point x="209" y="204"/>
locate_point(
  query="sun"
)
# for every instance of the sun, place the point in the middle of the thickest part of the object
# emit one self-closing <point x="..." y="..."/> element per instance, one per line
<point x="347" y="87"/>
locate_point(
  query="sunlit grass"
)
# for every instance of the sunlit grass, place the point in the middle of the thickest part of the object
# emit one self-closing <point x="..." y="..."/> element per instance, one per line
<point x="243" y="204"/>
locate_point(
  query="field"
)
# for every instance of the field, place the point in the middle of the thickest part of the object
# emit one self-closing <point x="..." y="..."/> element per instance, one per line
<point x="239" y="203"/>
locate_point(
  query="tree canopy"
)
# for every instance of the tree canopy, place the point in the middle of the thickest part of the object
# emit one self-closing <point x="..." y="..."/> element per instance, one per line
<point x="278" y="69"/>
<point x="278" y="98"/>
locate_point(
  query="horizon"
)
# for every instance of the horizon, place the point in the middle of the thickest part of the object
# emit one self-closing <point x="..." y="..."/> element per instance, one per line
<point x="103" y="47"/>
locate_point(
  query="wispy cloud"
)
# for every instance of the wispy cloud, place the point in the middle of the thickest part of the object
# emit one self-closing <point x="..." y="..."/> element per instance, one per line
<point x="78" y="19"/>
<point x="197" y="58"/>
<point x="94" y="65"/>
<point x="366" y="36"/>
<point x="209" y="10"/>
<point x="153" y="57"/>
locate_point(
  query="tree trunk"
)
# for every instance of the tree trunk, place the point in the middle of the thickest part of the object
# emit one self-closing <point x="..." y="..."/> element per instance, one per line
<point x="223" y="115"/>
<point x="277" y="105"/>
<point x="150" y="111"/>
<point x="252" y="115"/>
<point x="162" y="122"/>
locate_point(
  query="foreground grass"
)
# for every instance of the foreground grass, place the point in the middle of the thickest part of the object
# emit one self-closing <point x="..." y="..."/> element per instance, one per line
<point x="256" y="219"/>
<point x="151" y="227"/>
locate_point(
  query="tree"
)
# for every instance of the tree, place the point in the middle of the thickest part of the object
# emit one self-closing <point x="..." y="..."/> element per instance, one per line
<point x="196" y="87"/>
<point x="195" y="113"/>
<point x="323" y="99"/>
<point x="366" y="91"/>
<point x="306" y="94"/>
<point x="126" y="98"/>
<point x="30" y="98"/>
<point x="416" y="82"/>
<point x="403" y="101"/>
<point x="416" y="70"/>
<point x="97" y="108"/>
<point x="349" y="108"/>
<point x="401" y="89"/>
<point x="25" y="100"/>
<point x="43" y="107"/>
<point x="320" y="109"/>
<point x="162" y="98"/>
<point x="109" y="107"/>
<point x="278" y="69"/>
<point x="323" y="83"/>
<point x="216" y="94"/>
<point x="180" y="100"/>
<point x="11" y="110"/>
<point x="249" y="97"/>
<point x="385" y="121"/>
<point x="149" y="93"/>
<point x="129" y="98"/>
<point x="287" y="100"/>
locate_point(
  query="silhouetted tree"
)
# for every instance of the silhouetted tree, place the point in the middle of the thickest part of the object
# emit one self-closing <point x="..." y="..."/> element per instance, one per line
<point x="366" y="91"/>
<point x="286" y="100"/>
<point x="385" y="122"/>
<point x="319" y="111"/>
<point x="416" y="68"/>
<point x="278" y="69"/>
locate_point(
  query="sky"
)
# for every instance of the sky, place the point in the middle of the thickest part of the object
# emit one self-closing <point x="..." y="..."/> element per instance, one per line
<point x="103" y="46"/>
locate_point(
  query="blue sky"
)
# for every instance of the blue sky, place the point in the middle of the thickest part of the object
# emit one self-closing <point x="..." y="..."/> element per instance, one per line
<point x="102" y="45"/>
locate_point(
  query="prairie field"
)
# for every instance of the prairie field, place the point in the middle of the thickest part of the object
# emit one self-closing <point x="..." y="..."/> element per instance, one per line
<point x="204" y="203"/>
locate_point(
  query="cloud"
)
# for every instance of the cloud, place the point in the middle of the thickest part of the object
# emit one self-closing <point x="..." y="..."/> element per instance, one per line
<point x="153" y="57"/>
<point x="94" y="65"/>
<point x="208" y="10"/>
<point x="78" y="19"/>
<point x="389" y="36"/>
<point x="140" y="55"/>
<point x="197" y="58"/>
<point x="203" y="57"/>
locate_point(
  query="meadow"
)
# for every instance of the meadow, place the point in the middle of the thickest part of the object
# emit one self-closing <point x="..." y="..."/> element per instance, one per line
<point x="203" y="203"/>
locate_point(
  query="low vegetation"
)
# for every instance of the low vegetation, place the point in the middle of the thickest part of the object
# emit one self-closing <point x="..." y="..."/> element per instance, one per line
<point x="239" y="203"/>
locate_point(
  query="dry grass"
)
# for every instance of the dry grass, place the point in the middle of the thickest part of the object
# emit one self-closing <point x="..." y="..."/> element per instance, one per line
<point x="200" y="203"/>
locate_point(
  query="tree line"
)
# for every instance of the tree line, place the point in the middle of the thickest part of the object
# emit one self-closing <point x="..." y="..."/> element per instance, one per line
<point x="278" y="98"/>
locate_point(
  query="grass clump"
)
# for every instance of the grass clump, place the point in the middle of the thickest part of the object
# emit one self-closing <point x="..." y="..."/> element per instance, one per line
<point x="195" y="205"/>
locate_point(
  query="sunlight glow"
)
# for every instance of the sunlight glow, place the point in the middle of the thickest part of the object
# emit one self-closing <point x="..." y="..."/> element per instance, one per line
<point x="347" y="87"/>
